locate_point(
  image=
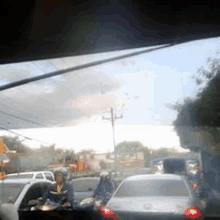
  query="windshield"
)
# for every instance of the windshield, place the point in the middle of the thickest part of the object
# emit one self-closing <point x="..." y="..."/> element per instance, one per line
<point x="125" y="115"/>
<point x="8" y="190"/>
<point x="146" y="188"/>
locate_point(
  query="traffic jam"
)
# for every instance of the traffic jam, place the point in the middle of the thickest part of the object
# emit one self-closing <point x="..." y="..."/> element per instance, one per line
<point x="169" y="187"/>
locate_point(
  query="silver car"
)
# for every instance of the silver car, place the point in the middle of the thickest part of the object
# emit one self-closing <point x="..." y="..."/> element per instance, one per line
<point x="166" y="196"/>
<point x="20" y="191"/>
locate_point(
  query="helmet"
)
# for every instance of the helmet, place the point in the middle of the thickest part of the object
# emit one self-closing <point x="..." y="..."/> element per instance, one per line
<point x="105" y="174"/>
<point x="63" y="171"/>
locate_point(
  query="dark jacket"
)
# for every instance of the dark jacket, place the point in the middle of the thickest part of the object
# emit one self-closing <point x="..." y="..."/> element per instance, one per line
<point x="104" y="190"/>
<point x="65" y="196"/>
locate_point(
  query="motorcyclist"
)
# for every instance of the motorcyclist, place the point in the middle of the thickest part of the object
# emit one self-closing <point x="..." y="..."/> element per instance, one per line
<point x="61" y="192"/>
<point x="105" y="188"/>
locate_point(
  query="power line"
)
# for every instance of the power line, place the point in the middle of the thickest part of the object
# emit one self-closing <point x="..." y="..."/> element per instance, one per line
<point x="14" y="116"/>
<point x="28" y="138"/>
<point x="60" y="72"/>
<point x="23" y="119"/>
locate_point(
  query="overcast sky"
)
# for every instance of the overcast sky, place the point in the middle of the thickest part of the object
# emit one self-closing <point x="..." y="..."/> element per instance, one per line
<point x="137" y="87"/>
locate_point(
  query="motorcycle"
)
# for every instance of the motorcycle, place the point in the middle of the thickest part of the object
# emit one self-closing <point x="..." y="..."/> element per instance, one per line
<point x="90" y="204"/>
<point x="36" y="205"/>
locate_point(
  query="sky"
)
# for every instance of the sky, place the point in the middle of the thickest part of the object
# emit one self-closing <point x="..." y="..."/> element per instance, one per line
<point x="71" y="106"/>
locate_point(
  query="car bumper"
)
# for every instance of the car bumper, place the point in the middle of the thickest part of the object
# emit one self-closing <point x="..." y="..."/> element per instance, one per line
<point x="145" y="216"/>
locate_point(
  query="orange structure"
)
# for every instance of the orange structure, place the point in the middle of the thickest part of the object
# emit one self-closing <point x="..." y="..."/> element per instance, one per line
<point x="73" y="166"/>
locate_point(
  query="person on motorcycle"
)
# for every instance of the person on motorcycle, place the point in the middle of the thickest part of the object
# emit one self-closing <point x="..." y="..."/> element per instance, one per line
<point x="61" y="192"/>
<point x="105" y="188"/>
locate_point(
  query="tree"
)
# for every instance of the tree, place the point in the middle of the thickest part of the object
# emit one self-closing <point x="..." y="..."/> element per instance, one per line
<point x="108" y="156"/>
<point x="161" y="152"/>
<point x="14" y="143"/>
<point x="201" y="114"/>
<point x="84" y="153"/>
<point x="126" y="150"/>
<point x="199" y="119"/>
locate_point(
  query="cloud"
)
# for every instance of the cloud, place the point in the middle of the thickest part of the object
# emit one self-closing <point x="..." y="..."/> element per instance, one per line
<point x="59" y="100"/>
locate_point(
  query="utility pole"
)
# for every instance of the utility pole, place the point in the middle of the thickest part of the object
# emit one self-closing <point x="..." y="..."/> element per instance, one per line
<point x="112" y="119"/>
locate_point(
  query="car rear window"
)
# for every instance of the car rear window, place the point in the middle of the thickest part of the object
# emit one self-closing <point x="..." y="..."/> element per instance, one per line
<point x="172" y="166"/>
<point x="39" y="176"/>
<point x="10" y="189"/>
<point x="140" y="188"/>
<point x="49" y="176"/>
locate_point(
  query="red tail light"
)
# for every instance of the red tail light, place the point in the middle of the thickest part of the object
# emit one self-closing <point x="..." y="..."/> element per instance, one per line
<point x="193" y="213"/>
<point x="108" y="213"/>
<point x="194" y="186"/>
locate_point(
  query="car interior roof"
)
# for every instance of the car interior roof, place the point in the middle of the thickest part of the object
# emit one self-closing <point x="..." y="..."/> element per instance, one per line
<point x="78" y="28"/>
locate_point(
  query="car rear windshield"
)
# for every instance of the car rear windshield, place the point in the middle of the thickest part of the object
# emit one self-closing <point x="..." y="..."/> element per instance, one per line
<point x="21" y="176"/>
<point x="140" y="188"/>
<point x="172" y="166"/>
<point x="10" y="190"/>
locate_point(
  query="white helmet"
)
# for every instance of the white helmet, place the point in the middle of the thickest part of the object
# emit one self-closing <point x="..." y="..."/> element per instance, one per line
<point x="105" y="174"/>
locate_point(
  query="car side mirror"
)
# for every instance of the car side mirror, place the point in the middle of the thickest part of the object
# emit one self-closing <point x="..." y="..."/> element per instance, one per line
<point x="32" y="203"/>
<point x="11" y="199"/>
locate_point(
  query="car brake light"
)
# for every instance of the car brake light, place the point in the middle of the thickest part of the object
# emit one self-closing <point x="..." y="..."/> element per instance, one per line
<point x="193" y="213"/>
<point x="108" y="213"/>
<point x="194" y="186"/>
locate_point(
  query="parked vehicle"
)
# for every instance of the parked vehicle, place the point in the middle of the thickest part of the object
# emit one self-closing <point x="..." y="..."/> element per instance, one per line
<point x="46" y="175"/>
<point x="153" y="196"/>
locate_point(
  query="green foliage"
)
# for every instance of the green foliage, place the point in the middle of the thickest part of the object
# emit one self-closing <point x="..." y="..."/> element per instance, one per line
<point x="125" y="150"/>
<point x="203" y="111"/>
<point x="147" y="153"/>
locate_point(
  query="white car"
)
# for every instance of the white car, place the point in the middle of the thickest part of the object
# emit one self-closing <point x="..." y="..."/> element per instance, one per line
<point x="18" y="192"/>
<point x="154" y="196"/>
<point x="46" y="175"/>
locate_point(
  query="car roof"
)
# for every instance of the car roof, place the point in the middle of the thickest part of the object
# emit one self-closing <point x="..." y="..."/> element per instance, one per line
<point x="28" y="172"/>
<point x="25" y="181"/>
<point x="154" y="177"/>
<point x="86" y="178"/>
